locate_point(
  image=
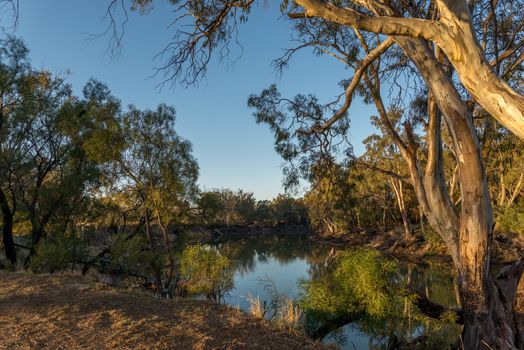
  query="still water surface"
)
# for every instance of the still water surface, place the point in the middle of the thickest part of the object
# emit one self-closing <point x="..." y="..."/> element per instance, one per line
<point x="283" y="261"/>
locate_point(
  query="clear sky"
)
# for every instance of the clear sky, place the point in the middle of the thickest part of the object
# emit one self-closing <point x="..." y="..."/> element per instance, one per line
<point x="232" y="150"/>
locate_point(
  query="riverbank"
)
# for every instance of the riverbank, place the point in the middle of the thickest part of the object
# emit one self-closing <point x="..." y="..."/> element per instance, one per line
<point x="72" y="312"/>
<point x="206" y="234"/>
<point x="507" y="248"/>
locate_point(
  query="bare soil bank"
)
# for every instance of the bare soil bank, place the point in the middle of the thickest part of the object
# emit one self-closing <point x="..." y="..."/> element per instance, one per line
<point x="71" y="312"/>
<point x="507" y="248"/>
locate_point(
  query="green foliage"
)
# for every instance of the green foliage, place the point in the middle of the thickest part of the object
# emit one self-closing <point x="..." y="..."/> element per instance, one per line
<point x="263" y="212"/>
<point x="157" y="165"/>
<point x="210" y="205"/>
<point x="432" y="237"/>
<point x="360" y="290"/>
<point x="360" y="285"/>
<point x="290" y="121"/>
<point x="206" y="271"/>
<point x="369" y="292"/>
<point x="511" y="219"/>
<point x="227" y="207"/>
<point x="330" y="198"/>
<point x="286" y="209"/>
<point x="65" y="158"/>
<point x="54" y="147"/>
<point x="132" y="254"/>
<point x="57" y="253"/>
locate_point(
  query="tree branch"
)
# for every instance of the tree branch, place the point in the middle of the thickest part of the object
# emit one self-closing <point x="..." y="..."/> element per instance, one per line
<point x="107" y="250"/>
<point x="413" y="27"/>
<point x="432" y="309"/>
<point x="364" y="64"/>
<point x="383" y="171"/>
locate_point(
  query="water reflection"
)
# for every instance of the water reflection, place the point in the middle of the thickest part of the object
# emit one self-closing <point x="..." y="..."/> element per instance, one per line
<point x="285" y="260"/>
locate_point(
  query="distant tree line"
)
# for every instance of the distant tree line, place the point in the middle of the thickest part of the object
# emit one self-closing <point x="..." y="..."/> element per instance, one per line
<point x="227" y="207"/>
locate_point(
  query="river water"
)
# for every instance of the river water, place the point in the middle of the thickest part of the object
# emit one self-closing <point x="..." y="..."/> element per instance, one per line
<point x="268" y="264"/>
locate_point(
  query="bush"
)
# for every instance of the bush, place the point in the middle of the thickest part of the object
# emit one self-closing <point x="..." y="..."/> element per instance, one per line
<point x="359" y="289"/>
<point x="359" y="284"/>
<point x="133" y="255"/>
<point x="206" y="272"/>
<point x="57" y="253"/>
<point x="511" y="219"/>
<point x="368" y="291"/>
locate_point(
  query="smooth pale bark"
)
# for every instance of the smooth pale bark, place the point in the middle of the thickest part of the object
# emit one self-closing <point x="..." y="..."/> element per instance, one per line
<point x="453" y="33"/>
<point x="441" y="216"/>
<point x="488" y="309"/>
<point x="460" y="44"/>
<point x="442" y="212"/>
<point x="399" y="193"/>
<point x="487" y="320"/>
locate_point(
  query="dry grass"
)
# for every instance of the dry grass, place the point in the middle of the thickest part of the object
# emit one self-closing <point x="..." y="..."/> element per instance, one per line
<point x="70" y="312"/>
<point x="256" y="307"/>
<point x="288" y="316"/>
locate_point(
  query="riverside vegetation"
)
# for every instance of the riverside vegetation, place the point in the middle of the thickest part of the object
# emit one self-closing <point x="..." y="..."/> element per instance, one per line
<point x="92" y="186"/>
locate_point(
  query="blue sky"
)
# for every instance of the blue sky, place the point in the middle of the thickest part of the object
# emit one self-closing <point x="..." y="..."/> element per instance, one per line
<point x="231" y="149"/>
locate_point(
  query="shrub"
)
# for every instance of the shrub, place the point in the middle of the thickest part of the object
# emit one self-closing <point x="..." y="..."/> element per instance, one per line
<point x="366" y="290"/>
<point x="511" y="219"/>
<point x="359" y="289"/>
<point x="359" y="284"/>
<point x="57" y="253"/>
<point x="132" y="254"/>
<point x="206" y="271"/>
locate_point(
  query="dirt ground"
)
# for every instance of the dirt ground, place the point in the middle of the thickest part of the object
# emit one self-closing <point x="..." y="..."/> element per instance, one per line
<point x="71" y="312"/>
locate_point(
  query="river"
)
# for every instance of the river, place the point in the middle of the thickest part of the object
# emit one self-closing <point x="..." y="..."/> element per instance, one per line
<point x="267" y="264"/>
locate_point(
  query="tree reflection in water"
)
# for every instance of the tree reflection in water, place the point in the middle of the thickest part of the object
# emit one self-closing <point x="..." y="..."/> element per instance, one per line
<point x="355" y="292"/>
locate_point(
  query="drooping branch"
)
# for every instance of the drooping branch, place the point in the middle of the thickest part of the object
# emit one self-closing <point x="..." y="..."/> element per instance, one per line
<point x="332" y="324"/>
<point x="425" y="306"/>
<point x="370" y="57"/>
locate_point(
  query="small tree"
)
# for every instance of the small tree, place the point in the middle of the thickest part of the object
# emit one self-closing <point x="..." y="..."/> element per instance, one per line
<point x="206" y="272"/>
